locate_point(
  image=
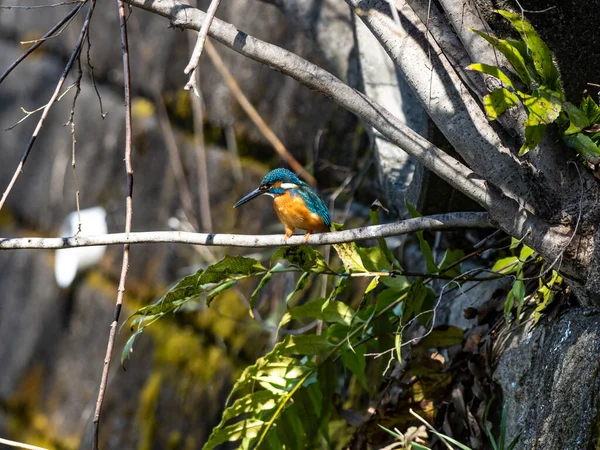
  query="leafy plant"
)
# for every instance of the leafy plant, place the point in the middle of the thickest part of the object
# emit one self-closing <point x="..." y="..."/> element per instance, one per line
<point x="543" y="96"/>
<point x="548" y="281"/>
<point x="286" y="398"/>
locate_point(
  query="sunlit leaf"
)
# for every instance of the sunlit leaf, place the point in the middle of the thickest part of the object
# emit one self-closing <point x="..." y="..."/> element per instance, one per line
<point x="498" y="101"/>
<point x="540" y="53"/>
<point x="397" y="282"/>
<point x="374" y="259"/>
<point x="506" y="265"/>
<point x="350" y="257"/>
<point x="590" y="109"/>
<point x="543" y="107"/>
<point x="334" y="312"/>
<point x="511" y="53"/>
<point x="525" y="253"/>
<point x="491" y="70"/>
<point x="304" y="344"/>
<point x="245" y="429"/>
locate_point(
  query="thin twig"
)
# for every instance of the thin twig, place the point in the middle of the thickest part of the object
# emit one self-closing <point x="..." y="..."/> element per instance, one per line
<point x="128" y="219"/>
<point x="31" y="49"/>
<point x="59" y="85"/>
<point x="195" y="58"/>
<point x="52" y="5"/>
<point x="434" y="222"/>
<point x="20" y="445"/>
<point x="255" y="116"/>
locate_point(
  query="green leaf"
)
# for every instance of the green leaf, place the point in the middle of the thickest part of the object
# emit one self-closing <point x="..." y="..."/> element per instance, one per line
<point x="577" y="117"/>
<point x="350" y="257"/>
<point x="230" y="267"/>
<point x="491" y="70"/>
<point x="511" y="53"/>
<point x="262" y="284"/>
<point x="543" y="107"/>
<point x="442" y="337"/>
<point x="353" y="359"/>
<point x="245" y="429"/>
<point x="217" y="290"/>
<point x="128" y="347"/>
<point x="373" y="210"/>
<point x="304" y="344"/>
<point x="397" y="282"/>
<point x="452" y="441"/>
<point x="253" y="403"/>
<point x="303" y="256"/>
<point x="498" y="101"/>
<point x="506" y="265"/>
<point x="590" y="109"/>
<point x="533" y="136"/>
<point x="584" y="146"/>
<point x="540" y="53"/>
<point x="425" y="248"/>
<point x="526" y="252"/>
<point x="301" y="284"/>
<point x="334" y="312"/>
<point x="416" y="446"/>
<point x="414" y="301"/>
<point x="518" y="290"/>
<point x="374" y="259"/>
<point x="451" y="257"/>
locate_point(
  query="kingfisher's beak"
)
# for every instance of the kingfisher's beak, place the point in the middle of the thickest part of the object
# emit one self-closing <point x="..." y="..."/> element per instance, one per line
<point x="255" y="193"/>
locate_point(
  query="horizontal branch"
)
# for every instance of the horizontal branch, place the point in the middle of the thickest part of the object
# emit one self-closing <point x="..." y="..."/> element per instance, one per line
<point x="435" y="222"/>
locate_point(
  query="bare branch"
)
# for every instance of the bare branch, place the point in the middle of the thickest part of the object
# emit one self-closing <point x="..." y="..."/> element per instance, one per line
<point x="31" y="49"/>
<point x="195" y="58"/>
<point x="434" y="222"/>
<point x="52" y="5"/>
<point x="128" y="218"/>
<point x="59" y="85"/>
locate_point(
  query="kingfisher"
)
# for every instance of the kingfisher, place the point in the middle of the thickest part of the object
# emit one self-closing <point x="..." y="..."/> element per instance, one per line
<point x="296" y="203"/>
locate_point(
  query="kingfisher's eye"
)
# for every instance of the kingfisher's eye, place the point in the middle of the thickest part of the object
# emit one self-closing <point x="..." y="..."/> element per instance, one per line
<point x="264" y="187"/>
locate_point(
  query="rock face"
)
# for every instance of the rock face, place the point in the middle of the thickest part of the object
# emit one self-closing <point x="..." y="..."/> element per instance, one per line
<point x="549" y="377"/>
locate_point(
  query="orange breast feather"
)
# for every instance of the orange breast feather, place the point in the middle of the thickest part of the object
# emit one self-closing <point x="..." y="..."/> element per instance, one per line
<point x="293" y="213"/>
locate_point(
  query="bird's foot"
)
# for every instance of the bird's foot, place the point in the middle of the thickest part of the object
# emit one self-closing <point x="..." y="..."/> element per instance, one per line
<point x="307" y="235"/>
